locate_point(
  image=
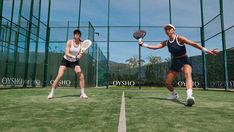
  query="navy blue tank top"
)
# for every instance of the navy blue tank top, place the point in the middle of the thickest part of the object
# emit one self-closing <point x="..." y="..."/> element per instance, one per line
<point x="175" y="48"/>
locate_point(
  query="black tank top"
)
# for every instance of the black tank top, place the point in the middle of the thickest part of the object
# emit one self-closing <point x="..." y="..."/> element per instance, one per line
<point x="175" y="48"/>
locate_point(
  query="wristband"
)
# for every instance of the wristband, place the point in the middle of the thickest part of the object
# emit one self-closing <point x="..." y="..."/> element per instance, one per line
<point x="145" y="45"/>
<point x="204" y="49"/>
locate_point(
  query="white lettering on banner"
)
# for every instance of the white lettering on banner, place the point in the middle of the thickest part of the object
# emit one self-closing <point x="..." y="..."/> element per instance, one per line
<point x="180" y="83"/>
<point x="231" y="84"/>
<point x="62" y="82"/>
<point x="217" y="84"/>
<point x="37" y="82"/>
<point x="221" y="84"/>
<point x="19" y="81"/>
<point x="4" y="81"/>
<point x="123" y="83"/>
<point x="183" y="84"/>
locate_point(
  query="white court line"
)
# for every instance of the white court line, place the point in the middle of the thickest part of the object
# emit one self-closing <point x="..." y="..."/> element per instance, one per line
<point x="122" y="117"/>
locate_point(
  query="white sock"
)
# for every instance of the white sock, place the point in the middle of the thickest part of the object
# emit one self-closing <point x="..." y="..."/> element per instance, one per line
<point x="52" y="90"/>
<point x="173" y="92"/>
<point x="82" y="91"/>
<point x="189" y="92"/>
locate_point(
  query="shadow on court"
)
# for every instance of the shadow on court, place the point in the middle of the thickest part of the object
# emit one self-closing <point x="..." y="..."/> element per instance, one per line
<point x="157" y="98"/>
<point x="65" y="96"/>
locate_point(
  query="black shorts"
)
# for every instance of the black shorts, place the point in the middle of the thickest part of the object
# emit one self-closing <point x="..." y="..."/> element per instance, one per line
<point x="70" y="64"/>
<point x="178" y="63"/>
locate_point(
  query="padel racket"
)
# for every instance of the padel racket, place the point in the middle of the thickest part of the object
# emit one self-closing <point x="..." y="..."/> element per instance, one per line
<point x="215" y="51"/>
<point x="139" y="35"/>
<point x="85" y="45"/>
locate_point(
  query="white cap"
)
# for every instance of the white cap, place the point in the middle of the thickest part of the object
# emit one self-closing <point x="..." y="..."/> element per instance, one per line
<point x="170" y="25"/>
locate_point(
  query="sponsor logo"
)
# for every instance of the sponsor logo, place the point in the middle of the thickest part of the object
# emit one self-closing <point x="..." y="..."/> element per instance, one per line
<point x="62" y="82"/>
<point x="19" y="81"/>
<point x="124" y="83"/>
<point x="182" y="84"/>
<point x="217" y="84"/>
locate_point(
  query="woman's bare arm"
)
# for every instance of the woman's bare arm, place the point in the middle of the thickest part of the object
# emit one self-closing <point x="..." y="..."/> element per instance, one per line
<point x="151" y="46"/>
<point x="184" y="40"/>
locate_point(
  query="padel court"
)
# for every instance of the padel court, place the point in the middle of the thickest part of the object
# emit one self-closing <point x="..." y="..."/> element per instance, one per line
<point x="124" y="80"/>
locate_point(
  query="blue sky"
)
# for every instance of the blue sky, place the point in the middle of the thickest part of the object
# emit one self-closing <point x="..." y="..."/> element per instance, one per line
<point x="125" y="13"/>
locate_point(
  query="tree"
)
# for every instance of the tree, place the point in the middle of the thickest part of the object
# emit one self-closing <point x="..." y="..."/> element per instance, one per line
<point x="133" y="62"/>
<point x="154" y="59"/>
<point x="150" y="69"/>
<point x="150" y="75"/>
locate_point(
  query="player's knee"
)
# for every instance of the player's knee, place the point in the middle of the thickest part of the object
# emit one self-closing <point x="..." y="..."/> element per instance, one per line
<point x="81" y="76"/>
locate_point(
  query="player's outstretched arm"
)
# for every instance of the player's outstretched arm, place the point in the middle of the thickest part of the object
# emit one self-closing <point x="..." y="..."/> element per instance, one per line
<point x="157" y="46"/>
<point x="184" y="40"/>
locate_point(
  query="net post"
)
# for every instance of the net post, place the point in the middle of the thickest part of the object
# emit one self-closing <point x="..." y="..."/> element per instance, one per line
<point x="205" y="86"/>
<point x="9" y="36"/>
<point x="139" y="47"/>
<point x="17" y="38"/>
<point x="37" y="42"/>
<point x="108" y="45"/>
<point x="47" y="45"/>
<point x="170" y="17"/>
<point x="1" y="9"/>
<point x="223" y="46"/>
<point x="79" y="14"/>
<point x="28" y="43"/>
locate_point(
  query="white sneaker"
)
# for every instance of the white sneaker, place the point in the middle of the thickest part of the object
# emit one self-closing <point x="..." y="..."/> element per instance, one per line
<point x="190" y="101"/>
<point x="173" y="96"/>
<point x="51" y="95"/>
<point x="83" y="96"/>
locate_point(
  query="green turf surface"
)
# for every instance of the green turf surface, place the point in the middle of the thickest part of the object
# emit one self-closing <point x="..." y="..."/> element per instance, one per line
<point x="146" y="111"/>
<point x="30" y="110"/>
<point x="149" y="111"/>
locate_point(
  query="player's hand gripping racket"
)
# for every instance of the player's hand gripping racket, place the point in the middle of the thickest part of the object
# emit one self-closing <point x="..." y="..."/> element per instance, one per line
<point x="214" y="51"/>
<point x="139" y="35"/>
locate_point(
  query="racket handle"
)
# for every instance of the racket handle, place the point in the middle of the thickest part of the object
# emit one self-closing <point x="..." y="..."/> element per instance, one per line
<point x="140" y="39"/>
<point x="145" y="45"/>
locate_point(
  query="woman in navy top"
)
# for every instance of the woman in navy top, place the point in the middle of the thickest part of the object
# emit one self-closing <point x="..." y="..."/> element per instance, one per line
<point x="180" y="61"/>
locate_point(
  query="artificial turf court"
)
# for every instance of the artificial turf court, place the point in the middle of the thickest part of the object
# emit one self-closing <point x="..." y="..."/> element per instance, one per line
<point x="146" y="110"/>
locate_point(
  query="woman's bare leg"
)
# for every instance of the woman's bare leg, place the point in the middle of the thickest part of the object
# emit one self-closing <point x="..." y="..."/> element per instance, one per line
<point x="171" y="75"/>
<point x="55" y="84"/>
<point x="187" y="70"/>
<point x="61" y="71"/>
<point x="80" y="74"/>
